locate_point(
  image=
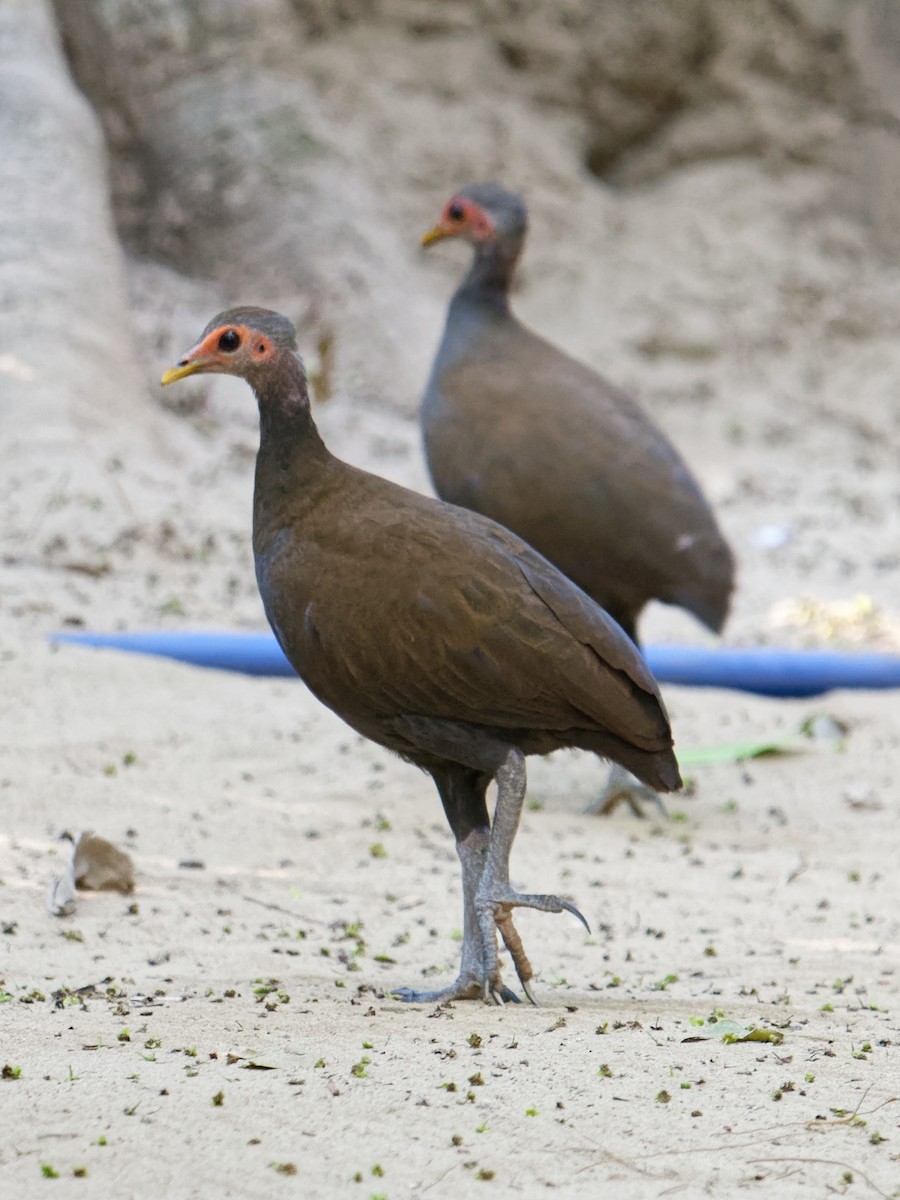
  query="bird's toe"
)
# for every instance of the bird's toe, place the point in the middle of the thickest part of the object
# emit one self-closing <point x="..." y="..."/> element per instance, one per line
<point x="498" y="900"/>
<point x="623" y="788"/>
<point x="461" y="989"/>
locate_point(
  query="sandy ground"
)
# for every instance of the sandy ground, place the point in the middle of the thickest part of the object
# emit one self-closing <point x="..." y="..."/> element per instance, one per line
<point x="288" y="874"/>
<point x="770" y="895"/>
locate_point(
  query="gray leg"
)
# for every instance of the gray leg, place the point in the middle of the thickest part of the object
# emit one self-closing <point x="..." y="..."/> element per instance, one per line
<point x="622" y="786"/>
<point x="469" y="983"/>
<point x="495" y="898"/>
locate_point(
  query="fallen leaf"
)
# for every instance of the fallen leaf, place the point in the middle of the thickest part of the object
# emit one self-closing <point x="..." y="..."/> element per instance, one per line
<point x="734" y="752"/>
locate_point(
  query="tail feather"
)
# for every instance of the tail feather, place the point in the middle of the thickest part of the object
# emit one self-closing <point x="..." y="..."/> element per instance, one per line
<point x="658" y="769"/>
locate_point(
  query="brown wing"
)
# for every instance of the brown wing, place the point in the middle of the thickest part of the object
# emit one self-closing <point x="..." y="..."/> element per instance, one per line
<point x="410" y="606"/>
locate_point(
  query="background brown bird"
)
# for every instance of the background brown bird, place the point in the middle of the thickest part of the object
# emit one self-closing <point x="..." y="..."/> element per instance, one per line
<point x="519" y="431"/>
<point x="433" y="631"/>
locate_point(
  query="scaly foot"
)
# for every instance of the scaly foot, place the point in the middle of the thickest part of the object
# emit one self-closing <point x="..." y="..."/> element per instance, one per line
<point x="470" y="983"/>
<point x="513" y="943"/>
<point x="463" y="988"/>
<point x="495" y="898"/>
<point x="494" y="905"/>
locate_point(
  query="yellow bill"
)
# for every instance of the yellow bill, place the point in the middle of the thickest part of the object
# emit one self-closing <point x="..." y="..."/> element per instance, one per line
<point x="181" y="371"/>
<point x="434" y="235"/>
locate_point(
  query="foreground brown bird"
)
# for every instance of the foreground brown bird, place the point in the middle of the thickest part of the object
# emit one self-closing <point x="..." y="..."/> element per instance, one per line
<point x="519" y="431"/>
<point x="434" y="632"/>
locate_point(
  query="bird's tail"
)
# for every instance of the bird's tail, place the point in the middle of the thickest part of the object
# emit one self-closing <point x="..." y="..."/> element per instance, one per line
<point x="658" y="769"/>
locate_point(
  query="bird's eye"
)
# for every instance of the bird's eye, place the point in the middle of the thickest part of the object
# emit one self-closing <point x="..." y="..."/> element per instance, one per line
<point x="456" y="212"/>
<point x="229" y="341"/>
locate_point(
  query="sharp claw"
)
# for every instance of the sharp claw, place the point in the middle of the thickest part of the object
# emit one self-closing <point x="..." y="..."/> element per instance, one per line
<point x="526" y="988"/>
<point x="500" y="995"/>
<point x="575" y="913"/>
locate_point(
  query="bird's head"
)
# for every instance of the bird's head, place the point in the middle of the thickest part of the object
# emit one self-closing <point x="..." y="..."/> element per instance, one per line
<point x="482" y="214"/>
<point x="247" y="342"/>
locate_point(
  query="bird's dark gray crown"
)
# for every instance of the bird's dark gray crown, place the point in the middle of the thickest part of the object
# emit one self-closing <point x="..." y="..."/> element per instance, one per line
<point x="273" y="324"/>
<point x="507" y="209"/>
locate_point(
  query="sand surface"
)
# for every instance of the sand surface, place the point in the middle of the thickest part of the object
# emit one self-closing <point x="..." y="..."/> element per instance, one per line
<point x="770" y="896"/>
<point x="228" y="1028"/>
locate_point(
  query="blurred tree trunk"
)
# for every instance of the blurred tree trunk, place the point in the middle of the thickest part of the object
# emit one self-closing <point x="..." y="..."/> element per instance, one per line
<point x="66" y="352"/>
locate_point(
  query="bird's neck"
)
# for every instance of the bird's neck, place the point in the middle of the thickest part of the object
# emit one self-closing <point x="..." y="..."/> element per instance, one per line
<point x="480" y="308"/>
<point x="292" y="455"/>
<point x="491" y="273"/>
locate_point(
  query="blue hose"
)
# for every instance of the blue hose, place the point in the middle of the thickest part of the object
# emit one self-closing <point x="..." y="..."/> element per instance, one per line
<point x="769" y="671"/>
<point x="246" y="653"/>
<point x="763" y="670"/>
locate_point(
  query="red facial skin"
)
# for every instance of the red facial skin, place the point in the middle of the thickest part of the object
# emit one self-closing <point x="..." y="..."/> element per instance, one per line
<point x="208" y="355"/>
<point x="461" y="218"/>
